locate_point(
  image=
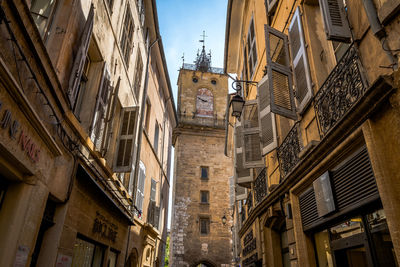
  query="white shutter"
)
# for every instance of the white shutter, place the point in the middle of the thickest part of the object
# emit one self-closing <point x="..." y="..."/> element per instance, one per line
<point x="243" y="176"/>
<point x="266" y="117"/>
<point x="335" y="21"/>
<point x="140" y="186"/>
<point x="301" y="69"/>
<point x="79" y="61"/>
<point x="126" y="140"/>
<point x="279" y="73"/>
<point x="252" y="155"/>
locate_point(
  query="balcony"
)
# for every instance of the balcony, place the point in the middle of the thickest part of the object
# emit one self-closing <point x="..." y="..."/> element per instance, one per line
<point x="260" y="186"/>
<point x="288" y="151"/>
<point x="342" y="89"/>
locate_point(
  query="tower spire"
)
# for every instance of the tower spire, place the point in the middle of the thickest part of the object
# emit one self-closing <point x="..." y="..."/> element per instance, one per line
<point x="203" y="61"/>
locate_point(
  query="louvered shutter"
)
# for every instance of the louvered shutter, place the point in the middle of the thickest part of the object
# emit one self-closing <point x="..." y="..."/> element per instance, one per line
<point x="252" y="155"/>
<point x="279" y="73"/>
<point x="301" y="69"/>
<point x="99" y="117"/>
<point x="126" y="140"/>
<point x="271" y="4"/>
<point x="140" y="186"/>
<point x="241" y="192"/>
<point x="79" y="61"/>
<point x="243" y="176"/>
<point x="335" y="21"/>
<point x="110" y="118"/>
<point x="266" y="117"/>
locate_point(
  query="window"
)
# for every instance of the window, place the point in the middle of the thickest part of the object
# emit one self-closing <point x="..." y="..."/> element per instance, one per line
<point x="147" y="112"/>
<point x="204" y="196"/>
<point x="140" y="5"/>
<point x="126" y="140"/>
<point x="204" y="226"/>
<point x="156" y="137"/>
<point x="251" y="49"/>
<point x="112" y="258"/>
<point x="87" y="254"/>
<point x="153" y="192"/>
<point x="340" y="49"/>
<point x="138" y="74"/>
<point x="41" y="11"/>
<point x="140" y="187"/>
<point x="204" y="172"/>
<point x="126" y="42"/>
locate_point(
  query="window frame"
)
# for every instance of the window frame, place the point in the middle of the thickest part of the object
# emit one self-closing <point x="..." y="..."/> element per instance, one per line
<point x="126" y="38"/>
<point x="251" y="48"/>
<point x="49" y="19"/>
<point x="208" y="222"/>
<point x="206" y="194"/>
<point x="207" y="169"/>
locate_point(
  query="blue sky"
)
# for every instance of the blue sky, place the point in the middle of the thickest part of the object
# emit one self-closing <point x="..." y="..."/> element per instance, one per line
<point x="182" y="23"/>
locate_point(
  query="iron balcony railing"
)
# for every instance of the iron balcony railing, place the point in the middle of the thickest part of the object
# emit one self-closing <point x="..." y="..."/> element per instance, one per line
<point x="288" y="151"/>
<point x="342" y="89"/>
<point x="260" y="186"/>
<point x="249" y="202"/>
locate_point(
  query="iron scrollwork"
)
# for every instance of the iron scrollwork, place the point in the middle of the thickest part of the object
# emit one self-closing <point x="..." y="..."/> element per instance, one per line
<point x="288" y="151"/>
<point x="260" y="185"/>
<point x="341" y="90"/>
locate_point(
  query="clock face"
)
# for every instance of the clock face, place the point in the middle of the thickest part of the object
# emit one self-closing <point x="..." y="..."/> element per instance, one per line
<point x="204" y="102"/>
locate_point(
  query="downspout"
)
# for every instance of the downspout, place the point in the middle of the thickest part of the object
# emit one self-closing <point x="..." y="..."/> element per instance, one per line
<point x="379" y="31"/>
<point x="140" y="133"/>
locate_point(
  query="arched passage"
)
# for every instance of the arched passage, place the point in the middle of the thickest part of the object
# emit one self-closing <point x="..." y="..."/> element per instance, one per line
<point x="204" y="263"/>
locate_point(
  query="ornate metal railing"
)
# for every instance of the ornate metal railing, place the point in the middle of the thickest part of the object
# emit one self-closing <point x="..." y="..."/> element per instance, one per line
<point x="341" y="90"/>
<point x="201" y="120"/>
<point x="188" y="66"/>
<point x="249" y="201"/>
<point x="260" y="186"/>
<point x="288" y="151"/>
<point x="243" y="215"/>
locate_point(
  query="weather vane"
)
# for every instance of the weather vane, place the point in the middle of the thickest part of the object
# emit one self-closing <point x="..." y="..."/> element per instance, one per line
<point x="204" y="38"/>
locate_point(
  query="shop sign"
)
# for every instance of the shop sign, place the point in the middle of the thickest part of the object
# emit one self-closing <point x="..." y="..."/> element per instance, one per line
<point x="104" y="227"/>
<point x="25" y="142"/>
<point x="323" y="195"/>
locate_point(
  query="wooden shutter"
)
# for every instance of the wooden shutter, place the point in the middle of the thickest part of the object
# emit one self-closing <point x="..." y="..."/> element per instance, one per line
<point x="126" y="140"/>
<point x="335" y="21"/>
<point x="153" y="190"/>
<point x="109" y="121"/>
<point x="99" y="117"/>
<point x="279" y="73"/>
<point x="79" y="61"/>
<point x="252" y="155"/>
<point x="266" y="117"/>
<point x="243" y="176"/>
<point x="301" y="69"/>
<point x="241" y="192"/>
<point x="271" y="4"/>
<point x="140" y="186"/>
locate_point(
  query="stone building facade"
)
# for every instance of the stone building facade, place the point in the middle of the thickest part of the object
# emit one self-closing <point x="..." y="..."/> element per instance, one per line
<point x="73" y="77"/>
<point x="201" y="215"/>
<point x="320" y="173"/>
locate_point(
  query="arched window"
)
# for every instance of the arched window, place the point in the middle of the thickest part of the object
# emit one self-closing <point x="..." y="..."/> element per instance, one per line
<point x="204" y="103"/>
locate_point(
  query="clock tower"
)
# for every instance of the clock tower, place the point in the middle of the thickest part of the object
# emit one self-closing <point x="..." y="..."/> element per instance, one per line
<point x="201" y="214"/>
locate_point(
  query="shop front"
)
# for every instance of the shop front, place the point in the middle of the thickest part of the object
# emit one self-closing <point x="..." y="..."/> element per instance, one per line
<point x="342" y="214"/>
<point x="98" y="226"/>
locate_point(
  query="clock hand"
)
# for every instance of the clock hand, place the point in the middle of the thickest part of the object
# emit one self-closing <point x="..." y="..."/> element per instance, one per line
<point x="202" y="99"/>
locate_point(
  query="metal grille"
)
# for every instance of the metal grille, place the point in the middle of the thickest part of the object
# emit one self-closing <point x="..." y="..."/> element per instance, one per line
<point x="288" y="151"/>
<point x="281" y="89"/>
<point x="342" y="89"/>
<point x="260" y="185"/>
<point x="249" y="201"/>
<point x="308" y="208"/>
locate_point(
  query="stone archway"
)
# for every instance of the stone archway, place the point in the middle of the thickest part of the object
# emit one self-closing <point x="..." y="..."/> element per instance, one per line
<point x="133" y="258"/>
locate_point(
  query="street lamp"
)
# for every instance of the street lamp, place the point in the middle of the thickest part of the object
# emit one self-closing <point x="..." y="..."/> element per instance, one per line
<point x="223" y="219"/>
<point x="237" y="104"/>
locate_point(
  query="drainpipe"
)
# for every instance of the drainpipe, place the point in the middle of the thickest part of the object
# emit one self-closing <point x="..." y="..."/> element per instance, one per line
<point x="140" y="133"/>
<point x="379" y="30"/>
